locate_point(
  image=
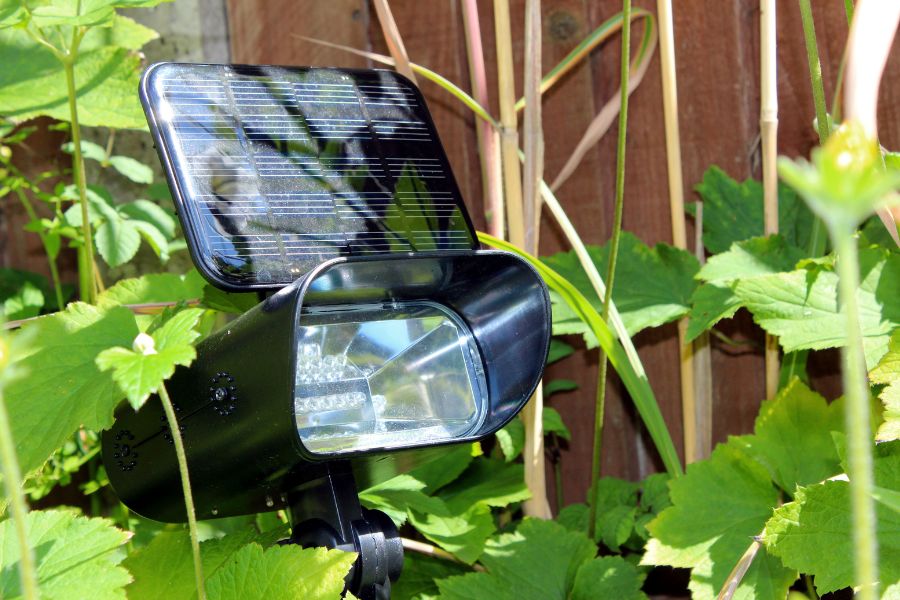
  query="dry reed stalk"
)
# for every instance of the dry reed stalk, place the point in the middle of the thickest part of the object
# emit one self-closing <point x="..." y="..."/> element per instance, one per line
<point x="696" y="402"/>
<point x="533" y="454"/>
<point x="532" y="131"/>
<point x="491" y="175"/>
<point x="768" y="129"/>
<point x="393" y="39"/>
<point x="533" y="138"/>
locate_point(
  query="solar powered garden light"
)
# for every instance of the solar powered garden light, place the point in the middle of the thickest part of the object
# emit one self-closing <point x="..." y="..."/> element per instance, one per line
<point x="383" y="332"/>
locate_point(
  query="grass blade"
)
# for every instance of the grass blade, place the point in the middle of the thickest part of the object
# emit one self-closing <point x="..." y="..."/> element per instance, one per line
<point x="635" y="380"/>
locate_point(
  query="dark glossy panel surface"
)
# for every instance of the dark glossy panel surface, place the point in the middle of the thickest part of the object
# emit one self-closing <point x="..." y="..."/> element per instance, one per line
<point x="275" y="170"/>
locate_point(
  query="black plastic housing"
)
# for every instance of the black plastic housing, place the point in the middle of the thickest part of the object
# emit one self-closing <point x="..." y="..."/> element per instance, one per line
<point x="235" y="404"/>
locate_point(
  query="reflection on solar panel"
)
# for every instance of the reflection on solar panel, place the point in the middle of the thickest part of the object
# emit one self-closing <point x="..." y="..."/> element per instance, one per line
<point x="275" y="169"/>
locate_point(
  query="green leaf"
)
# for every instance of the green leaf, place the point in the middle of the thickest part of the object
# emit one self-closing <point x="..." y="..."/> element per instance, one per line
<point x="710" y="542"/>
<point x="467" y="522"/>
<point x="62" y="373"/>
<point x="86" y="13"/>
<point x="801" y="307"/>
<point x="486" y="482"/>
<point x="117" y="241"/>
<point x="653" y="285"/>
<point x="100" y="205"/>
<point x="710" y="304"/>
<point x="157" y="287"/>
<point x="888" y="372"/>
<point x="281" y="573"/>
<point x="399" y="494"/>
<point x="715" y="300"/>
<point x="512" y="439"/>
<point x="463" y="535"/>
<point x="33" y="83"/>
<point x="11" y="13"/>
<point x="574" y="517"/>
<point x="124" y="33"/>
<point x="890" y="427"/>
<point x="539" y="561"/>
<point x="140" y="374"/>
<point x="154" y="238"/>
<point x="444" y="466"/>
<point x="553" y="423"/>
<point x="793" y="437"/>
<point x="608" y="577"/>
<point x="27" y="303"/>
<point x="749" y="258"/>
<point x="617" y="502"/>
<point x="217" y="299"/>
<point x="558" y="350"/>
<point x="76" y="557"/>
<point x="559" y="385"/>
<point x="89" y="150"/>
<point x="165" y="568"/>
<point x="733" y="212"/>
<point x="420" y="575"/>
<point x="152" y="213"/>
<point x="814" y="534"/>
<point x="134" y="170"/>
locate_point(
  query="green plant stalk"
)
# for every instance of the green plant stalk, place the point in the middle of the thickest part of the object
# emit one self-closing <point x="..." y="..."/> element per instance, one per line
<point x="12" y="478"/>
<point x="54" y="271"/>
<point x="817" y="237"/>
<point x="600" y="406"/>
<point x="86" y="281"/>
<point x="186" y="488"/>
<point x="848" y="8"/>
<point x="857" y="415"/>
<point x="617" y="351"/>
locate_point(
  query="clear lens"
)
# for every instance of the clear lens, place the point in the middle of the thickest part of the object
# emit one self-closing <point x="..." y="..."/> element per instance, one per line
<point x="386" y="377"/>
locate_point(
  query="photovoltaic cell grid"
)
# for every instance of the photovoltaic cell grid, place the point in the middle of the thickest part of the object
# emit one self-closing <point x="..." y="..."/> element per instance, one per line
<point x="278" y="169"/>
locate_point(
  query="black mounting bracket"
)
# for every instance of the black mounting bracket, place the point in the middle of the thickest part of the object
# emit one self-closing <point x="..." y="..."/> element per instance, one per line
<point x="327" y="513"/>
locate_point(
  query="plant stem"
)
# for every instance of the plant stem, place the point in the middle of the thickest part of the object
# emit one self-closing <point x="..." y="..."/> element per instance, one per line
<point x="817" y="236"/>
<point x="435" y="552"/>
<point x="848" y="8"/>
<point x="613" y="256"/>
<point x="697" y="444"/>
<point x="51" y="261"/>
<point x="857" y="414"/>
<point x="491" y="176"/>
<point x="86" y="251"/>
<point x="186" y="488"/>
<point x="768" y="129"/>
<point x="810" y="587"/>
<point x="533" y="453"/>
<point x="12" y="478"/>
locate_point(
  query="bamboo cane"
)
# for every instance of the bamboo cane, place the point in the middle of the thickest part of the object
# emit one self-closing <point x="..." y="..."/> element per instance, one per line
<point x="533" y="453"/>
<point x="694" y="406"/>
<point x="768" y="129"/>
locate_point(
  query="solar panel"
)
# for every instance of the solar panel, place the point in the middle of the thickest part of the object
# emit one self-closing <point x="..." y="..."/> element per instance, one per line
<point x="277" y="169"/>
